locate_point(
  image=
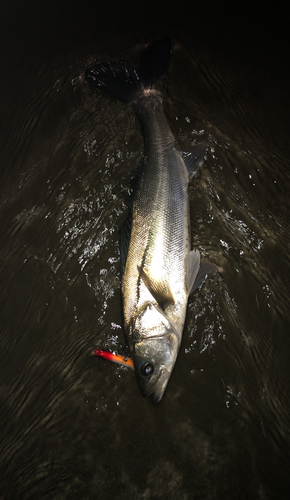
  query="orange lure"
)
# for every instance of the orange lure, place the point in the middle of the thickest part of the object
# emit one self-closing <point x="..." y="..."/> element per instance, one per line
<point x="116" y="358"/>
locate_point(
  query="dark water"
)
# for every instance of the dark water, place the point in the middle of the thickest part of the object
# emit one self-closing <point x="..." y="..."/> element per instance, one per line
<point x="74" y="426"/>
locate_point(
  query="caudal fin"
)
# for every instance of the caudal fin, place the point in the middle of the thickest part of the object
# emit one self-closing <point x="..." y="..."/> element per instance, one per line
<point x="123" y="82"/>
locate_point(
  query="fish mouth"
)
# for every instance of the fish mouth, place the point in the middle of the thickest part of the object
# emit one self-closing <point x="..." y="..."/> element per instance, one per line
<point x="157" y="390"/>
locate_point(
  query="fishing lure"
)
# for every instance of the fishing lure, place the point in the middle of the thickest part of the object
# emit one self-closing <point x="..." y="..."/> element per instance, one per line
<point x="116" y="358"/>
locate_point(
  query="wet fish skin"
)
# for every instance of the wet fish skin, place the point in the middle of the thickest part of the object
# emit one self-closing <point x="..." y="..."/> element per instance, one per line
<point x="155" y="284"/>
<point x="158" y="267"/>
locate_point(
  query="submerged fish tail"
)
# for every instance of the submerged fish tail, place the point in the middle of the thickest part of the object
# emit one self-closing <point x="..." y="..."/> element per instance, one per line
<point x="122" y="81"/>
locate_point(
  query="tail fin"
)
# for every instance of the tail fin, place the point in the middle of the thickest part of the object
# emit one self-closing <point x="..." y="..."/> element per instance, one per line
<point x="123" y="82"/>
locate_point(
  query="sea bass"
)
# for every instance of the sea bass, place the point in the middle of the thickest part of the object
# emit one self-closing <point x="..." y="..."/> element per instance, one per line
<point x="159" y="269"/>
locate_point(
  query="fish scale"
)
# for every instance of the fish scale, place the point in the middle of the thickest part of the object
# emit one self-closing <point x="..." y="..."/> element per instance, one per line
<point x="160" y="210"/>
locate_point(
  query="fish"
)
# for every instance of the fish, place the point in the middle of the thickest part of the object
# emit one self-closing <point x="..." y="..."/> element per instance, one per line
<point x="158" y="267"/>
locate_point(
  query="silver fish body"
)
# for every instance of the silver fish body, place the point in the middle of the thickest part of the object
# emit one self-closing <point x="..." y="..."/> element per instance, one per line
<point x="159" y="269"/>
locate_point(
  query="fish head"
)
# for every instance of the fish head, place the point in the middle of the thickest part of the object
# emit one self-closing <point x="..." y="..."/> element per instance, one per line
<point x="154" y="350"/>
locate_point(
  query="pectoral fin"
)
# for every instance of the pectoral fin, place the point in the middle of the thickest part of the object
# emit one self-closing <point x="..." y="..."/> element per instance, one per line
<point x="160" y="290"/>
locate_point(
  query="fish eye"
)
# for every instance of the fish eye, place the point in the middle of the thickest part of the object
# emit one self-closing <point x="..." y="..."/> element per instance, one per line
<point x="146" y="369"/>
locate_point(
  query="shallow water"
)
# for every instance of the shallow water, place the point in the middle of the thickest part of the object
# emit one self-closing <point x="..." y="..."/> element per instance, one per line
<point x="73" y="425"/>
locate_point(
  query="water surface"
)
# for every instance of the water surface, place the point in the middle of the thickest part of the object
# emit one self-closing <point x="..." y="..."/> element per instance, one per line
<point x="75" y="426"/>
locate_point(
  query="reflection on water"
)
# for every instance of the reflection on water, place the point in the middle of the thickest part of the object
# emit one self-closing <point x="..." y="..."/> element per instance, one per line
<point x="73" y="425"/>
